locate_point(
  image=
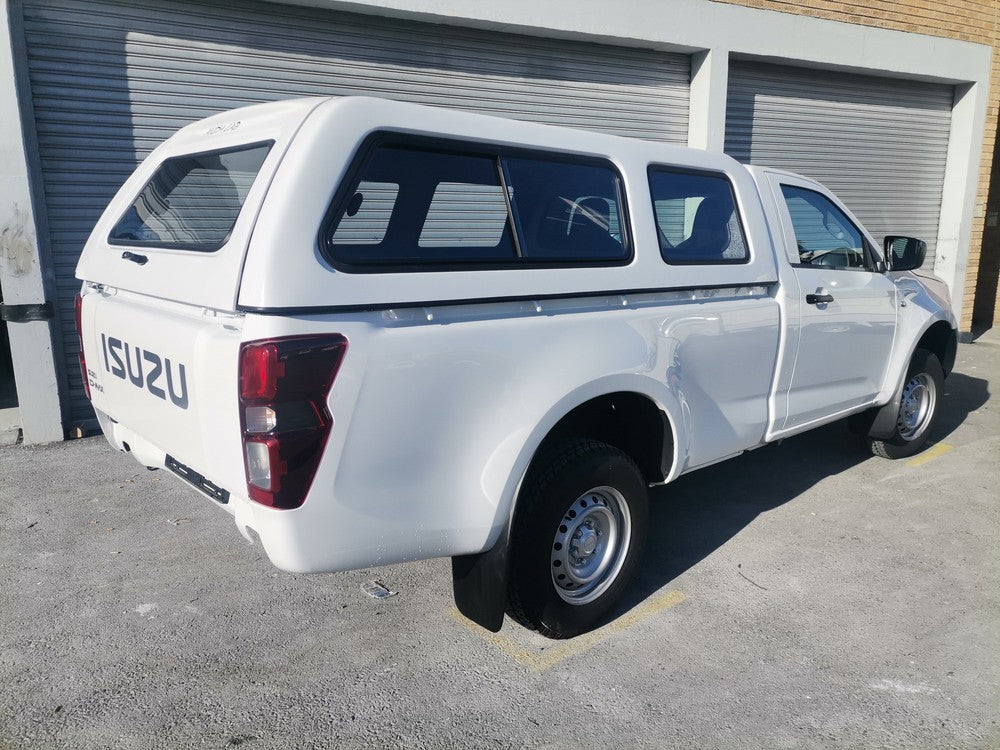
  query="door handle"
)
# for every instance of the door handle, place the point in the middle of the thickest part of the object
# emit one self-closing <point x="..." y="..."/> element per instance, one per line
<point x="135" y="258"/>
<point x="818" y="299"/>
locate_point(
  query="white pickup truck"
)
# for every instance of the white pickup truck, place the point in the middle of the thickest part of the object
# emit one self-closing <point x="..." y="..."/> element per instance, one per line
<point x="377" y="332"/>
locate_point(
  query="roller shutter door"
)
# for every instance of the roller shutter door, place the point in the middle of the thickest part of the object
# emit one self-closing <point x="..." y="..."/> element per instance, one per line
<point x="110" y="80"/>
<point x="880" y="144"/>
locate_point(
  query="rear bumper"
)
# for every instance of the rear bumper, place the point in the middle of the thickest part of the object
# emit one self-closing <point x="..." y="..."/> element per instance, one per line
<point x="283" y="534"/>
<point x="322" y="536"/>
<point x="126" y="440"/>
<point x="149" y="455"/>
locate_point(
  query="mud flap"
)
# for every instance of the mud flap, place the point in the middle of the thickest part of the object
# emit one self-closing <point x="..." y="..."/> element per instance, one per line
<point x="479" y="583"/>
<point x="878" y="422"/>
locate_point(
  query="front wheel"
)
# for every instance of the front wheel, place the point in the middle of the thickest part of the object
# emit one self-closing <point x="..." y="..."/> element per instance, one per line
<point x="918" y="408"/>
<point x="579" y="529"/>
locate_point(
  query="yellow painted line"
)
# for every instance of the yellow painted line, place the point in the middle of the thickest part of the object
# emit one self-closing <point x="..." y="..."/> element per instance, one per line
<point x="930" y="454"/>
<point x="554" y="652"/>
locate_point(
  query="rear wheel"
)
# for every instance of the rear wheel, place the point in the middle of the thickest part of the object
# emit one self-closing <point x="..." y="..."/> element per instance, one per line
<point x="918" y="408"/>
<point x="579" y="529"/>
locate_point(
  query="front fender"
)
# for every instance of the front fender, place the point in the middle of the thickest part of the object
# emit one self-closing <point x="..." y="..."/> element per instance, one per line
<point x="880" y="422"/>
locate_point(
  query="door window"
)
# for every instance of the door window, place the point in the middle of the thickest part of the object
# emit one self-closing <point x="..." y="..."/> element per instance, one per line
<point x="823" y="233"/>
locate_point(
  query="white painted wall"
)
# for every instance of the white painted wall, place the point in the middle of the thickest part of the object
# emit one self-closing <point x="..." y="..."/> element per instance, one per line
<point x="707" y="113"/>
<point x="696" y="25"/>
<point x="961" y="180"/>
<point x="21" y="269"/>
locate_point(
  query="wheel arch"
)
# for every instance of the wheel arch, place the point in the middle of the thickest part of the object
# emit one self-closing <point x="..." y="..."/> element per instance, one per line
<point x="585" y="411"/>
<point x="941" y="339"/>
<point x="630" y="421"/>
<point x="600" y="411"/>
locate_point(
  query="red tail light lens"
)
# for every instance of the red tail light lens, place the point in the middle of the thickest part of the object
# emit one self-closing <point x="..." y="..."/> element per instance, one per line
<point x="260" y="370"/>
<point x="284" y="384"/>
<point x="79" y="341"/>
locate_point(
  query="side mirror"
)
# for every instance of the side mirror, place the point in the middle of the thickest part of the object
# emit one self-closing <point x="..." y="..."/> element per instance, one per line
<point x="904" y="253"/>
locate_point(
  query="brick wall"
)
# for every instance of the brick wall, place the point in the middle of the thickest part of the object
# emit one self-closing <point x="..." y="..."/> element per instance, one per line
<point x="967" y="20"/>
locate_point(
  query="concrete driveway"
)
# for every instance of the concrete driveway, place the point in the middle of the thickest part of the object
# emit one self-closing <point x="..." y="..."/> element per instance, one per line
<point x="803" y="595"/>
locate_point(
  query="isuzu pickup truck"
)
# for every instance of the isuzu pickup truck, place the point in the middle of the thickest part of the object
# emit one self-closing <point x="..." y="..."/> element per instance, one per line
<point x="376" y="332"/>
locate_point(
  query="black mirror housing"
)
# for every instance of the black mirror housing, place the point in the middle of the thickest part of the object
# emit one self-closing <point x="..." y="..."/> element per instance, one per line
<point x="904" y="253"/>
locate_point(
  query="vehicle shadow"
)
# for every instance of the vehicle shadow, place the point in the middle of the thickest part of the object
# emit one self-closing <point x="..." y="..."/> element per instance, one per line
<point x="962" y="395"/>
<point x="698" y="513"/>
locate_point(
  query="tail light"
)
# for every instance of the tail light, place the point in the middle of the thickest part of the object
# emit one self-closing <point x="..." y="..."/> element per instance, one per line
<point x="79" y="341"/>
<point x="284" y="384"/>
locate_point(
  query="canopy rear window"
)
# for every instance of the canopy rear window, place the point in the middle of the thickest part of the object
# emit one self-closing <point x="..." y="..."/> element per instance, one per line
<point x="192" y="202"/>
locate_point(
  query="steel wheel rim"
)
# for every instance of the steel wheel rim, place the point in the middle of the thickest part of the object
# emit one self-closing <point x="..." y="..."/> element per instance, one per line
<point x="590" y="545"/>
<point x="916" y="407"/>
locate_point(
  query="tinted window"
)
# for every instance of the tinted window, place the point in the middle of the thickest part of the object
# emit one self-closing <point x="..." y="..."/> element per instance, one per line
<point x="566" y="211"/>
<point x="416" y="205"/>
<point x="824" y="235"/>
<point x="367" y="216"/>
<point x="412" y="205"/>
<point x="465" y="215"/>
<point x="192" y="202"/>
<point x="696" y="218"/>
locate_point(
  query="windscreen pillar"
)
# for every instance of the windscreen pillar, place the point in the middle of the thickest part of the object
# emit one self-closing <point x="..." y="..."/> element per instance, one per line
<point x="26" y="281"/>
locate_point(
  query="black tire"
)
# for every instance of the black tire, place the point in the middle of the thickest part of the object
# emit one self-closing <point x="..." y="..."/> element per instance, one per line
<point x="918" y="408"/>
<point x="579" y="530"/>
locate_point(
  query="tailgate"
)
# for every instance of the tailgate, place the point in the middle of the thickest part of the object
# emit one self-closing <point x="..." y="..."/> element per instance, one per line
<point x="166" y="374"/>
<point x="178" y="229"/>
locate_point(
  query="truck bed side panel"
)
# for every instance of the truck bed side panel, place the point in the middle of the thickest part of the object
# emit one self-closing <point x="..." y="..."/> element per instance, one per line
<point x="406" y="478"/>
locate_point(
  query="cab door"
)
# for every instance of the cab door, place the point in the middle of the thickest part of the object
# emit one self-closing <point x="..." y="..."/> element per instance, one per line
<point x="846" y="305"/>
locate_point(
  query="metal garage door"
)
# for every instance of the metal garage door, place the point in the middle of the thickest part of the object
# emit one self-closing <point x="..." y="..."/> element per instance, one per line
<point x="111" y="79"/>
<point x="880" y="144"/>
